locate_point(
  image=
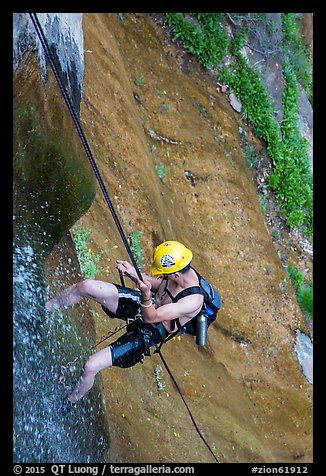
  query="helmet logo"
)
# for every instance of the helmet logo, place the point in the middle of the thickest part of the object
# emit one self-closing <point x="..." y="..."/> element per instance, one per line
<point x="167" y="261"/>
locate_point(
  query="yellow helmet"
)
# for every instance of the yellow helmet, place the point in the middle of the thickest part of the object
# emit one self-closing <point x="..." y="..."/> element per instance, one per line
<point x="170" y="257"/>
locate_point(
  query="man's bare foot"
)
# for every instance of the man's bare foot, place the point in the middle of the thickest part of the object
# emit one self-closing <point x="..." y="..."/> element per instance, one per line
<point x="52" y="305"/>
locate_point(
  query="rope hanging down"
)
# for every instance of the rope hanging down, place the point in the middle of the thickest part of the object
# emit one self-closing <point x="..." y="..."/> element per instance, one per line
<point x="89" y="154"/>
<point x="82" y="137"/>
<point x="185" y="403"/>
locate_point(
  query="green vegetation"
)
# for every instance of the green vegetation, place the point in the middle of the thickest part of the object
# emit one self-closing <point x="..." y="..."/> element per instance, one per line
<point x="303" y="291"/>
<point x="161" y="171"/>
<point x="204" y="35"/>
<point x="297" y="52"/>
<point x="295" y="276"/>
<point x="291" y="177"/>
<point x="158" y="374"/>
<point x="87" y="259"/>
<point x="201" y="34"/>
<point x="136" y="248"/>
<point x="139" y="81"/>
<point x="305" y="300"/>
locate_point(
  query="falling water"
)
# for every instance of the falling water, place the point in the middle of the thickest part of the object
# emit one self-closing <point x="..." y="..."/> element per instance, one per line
<point x="52" y="189"/>
<point x="43" y="432"/>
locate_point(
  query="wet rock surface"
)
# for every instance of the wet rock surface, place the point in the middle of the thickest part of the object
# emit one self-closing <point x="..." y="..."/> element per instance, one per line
<point x="186" y="180"/>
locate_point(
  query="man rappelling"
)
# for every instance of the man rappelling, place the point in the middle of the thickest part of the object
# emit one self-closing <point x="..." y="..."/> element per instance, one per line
<point x="165" y="303"/>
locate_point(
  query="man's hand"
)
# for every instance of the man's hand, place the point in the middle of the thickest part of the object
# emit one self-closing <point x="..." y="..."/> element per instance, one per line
<point x="125" y="267"/>
<point x="145" y="288"/>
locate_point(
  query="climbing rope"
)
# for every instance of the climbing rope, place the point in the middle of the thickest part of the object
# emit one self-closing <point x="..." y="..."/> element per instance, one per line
<point x="158" y="350"/>
<point x="89" y="154"/>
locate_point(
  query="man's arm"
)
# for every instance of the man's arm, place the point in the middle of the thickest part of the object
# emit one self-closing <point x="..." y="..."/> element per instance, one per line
<point x="124" y="266"/>
<point x="187" y="307"/>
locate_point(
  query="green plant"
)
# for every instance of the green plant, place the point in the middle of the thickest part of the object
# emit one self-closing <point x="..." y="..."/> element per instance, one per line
<point x="295" y="181"/>
<point x="158" y="374"/>
<point x="162" y="170"/>
<point x="207" y="39"/>
<point x="297" y="53"/>
<point x="295" y="276"/>
<point x="305" y="300"/>
<point x="139" y="81"/>
<point x="86" y="258"/>
<point x="136" y="249"/>
<point x="303" y="291"/>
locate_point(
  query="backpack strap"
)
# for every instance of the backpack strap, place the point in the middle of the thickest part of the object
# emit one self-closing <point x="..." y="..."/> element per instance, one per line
<point x="189" y="291"/>
<point x="185" y="292"/>
<point x="182" y="294"/>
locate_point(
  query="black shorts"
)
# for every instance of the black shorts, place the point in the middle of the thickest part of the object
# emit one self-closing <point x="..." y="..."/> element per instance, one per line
<point x="129" y="349"/>
<point x="128" y="305"/>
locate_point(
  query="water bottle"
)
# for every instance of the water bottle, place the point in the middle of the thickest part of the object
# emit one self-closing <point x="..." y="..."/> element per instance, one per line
<point x="201" y="329"/>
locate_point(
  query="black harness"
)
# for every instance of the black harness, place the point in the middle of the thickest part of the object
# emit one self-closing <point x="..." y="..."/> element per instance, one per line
<point x="180" y="295"/>
<point x="210" y="307"/>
